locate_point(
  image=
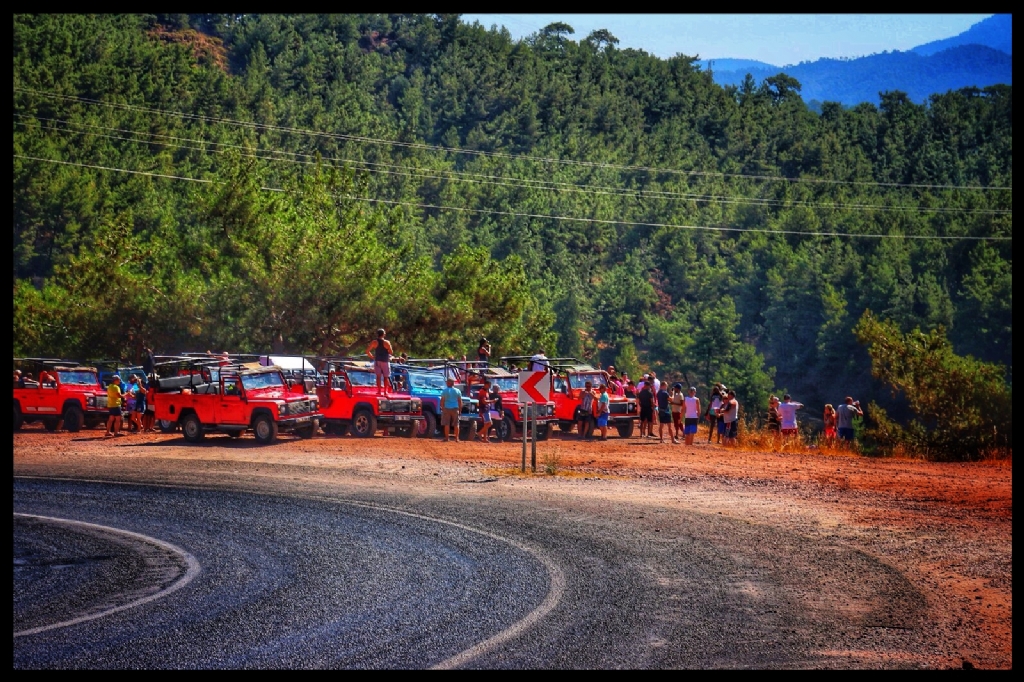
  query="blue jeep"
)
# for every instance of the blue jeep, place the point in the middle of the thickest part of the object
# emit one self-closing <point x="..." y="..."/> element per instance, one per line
<point x="427" y="384"/>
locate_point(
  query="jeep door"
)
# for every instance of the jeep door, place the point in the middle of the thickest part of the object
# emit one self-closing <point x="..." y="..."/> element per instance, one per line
<point x="230" y="408"/>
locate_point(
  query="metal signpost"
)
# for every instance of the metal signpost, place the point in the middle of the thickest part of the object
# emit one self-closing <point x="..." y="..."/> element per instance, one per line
<point x="533" y="390"/>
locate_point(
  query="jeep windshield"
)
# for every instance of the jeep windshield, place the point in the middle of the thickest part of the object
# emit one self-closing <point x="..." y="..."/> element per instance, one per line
<point x="506" y="384"/>
<point x="426" y="382"/>
<point x="255" y="382"/>
<point x="77" y="378"/>
<point x="362" y="378"/>
<point x="579" y="380"/>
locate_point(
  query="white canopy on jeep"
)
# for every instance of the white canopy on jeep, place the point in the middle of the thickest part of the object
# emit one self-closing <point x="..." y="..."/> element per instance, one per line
<point x="292" y="364"/>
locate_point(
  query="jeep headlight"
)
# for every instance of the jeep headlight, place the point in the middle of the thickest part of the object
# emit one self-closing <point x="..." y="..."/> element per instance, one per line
<point x="383" y="405"/>
<point x="313" y="405"/>
<point x="91" y="402"/>
<point x="283" y="409"/>
<point x="416" y="405"/>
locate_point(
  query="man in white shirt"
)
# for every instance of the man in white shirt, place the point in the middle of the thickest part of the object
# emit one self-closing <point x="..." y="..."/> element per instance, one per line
<point x="539" y="362"/>
<point x="787" y="413"/>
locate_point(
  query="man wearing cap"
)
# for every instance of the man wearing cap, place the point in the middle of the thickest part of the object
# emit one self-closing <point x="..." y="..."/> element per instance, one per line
<point x="451" y="405"/>
<point x="114" y="408"/>
<point x="381" y="352"/>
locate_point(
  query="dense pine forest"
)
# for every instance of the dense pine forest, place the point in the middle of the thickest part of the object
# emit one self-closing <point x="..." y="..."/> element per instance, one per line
<point x="257" y="182"/>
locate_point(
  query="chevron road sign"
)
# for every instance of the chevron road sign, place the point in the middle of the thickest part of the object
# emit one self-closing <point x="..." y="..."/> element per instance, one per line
<point x="533" y="387"/>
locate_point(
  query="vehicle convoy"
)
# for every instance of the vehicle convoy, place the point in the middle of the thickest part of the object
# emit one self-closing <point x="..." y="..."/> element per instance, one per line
<point x="72" y="394"/>
<point x="568" y="377"/>
<point x="512" y="412"/>
<point x="241" y="398"/>
<point x="347" y="391"/>
<point x="424" y="378"/>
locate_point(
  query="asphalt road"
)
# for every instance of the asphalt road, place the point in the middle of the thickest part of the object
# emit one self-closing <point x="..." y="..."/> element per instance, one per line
<point x="296" y="582"/>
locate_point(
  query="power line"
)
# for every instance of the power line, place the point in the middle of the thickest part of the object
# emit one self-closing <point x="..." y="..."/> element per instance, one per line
<point x="525" y="157"/>
<point x="522" y="183"/>
<point x="513" y="214"/>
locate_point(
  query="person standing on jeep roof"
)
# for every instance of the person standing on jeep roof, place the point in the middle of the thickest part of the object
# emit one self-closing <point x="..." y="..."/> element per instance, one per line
<point x="483" y="351"/>
<point x="148" y="362"/>
<point x="380" y="350"/>
<point x="539" y="362"/>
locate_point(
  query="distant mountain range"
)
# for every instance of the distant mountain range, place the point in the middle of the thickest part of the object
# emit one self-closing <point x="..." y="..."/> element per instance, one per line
<point x="978" y="57"/>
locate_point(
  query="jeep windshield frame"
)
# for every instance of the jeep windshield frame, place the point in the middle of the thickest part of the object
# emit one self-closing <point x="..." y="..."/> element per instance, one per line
<point x="262" y="380"/>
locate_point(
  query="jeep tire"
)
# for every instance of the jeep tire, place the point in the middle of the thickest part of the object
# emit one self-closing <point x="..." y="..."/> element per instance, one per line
<point x="427" y="427"/>
<point x="264" y="428"/>
<point x="50" y="423"/>
<point x="543" y="431"/>
<point x="74" y="418"/>
<point x="506" y="428"/>
<point x="364" y="423"/>
<point x="407" y="430"/>
<point x="192" y="428"/>
<point x="625" y="429"/>
<point x="468" y="431"/>
<point x="166" y="426"/>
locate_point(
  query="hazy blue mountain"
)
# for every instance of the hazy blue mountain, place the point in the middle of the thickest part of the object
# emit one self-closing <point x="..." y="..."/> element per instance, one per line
<point x="920" y="72"/>
<point x="995" y="32"/>
<point x="737" y="65"/>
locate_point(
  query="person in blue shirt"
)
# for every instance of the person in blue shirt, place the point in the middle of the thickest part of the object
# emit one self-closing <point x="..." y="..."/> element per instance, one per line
<point x="451" y="405"/>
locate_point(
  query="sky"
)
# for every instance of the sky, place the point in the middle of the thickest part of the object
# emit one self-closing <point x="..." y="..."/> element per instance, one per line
<point x="778" y="39"/>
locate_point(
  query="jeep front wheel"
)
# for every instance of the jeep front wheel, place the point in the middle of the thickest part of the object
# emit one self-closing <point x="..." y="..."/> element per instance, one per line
<point x="265" y="429"/>
<point x="426" y="427"/>
<point x="74" y="418"/>
<point x="364" y="424"/>
<point x="192" y="428"/>
<point x="506" y="428"/>
<point x="166" y="426"/>
<point x="625" y="429"/>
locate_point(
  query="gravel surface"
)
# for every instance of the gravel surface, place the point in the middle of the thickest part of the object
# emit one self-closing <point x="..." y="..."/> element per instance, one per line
<point x="673" y="555"/>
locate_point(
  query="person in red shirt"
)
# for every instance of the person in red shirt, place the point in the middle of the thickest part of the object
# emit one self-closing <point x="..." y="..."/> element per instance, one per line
<point x="484" y="406"/>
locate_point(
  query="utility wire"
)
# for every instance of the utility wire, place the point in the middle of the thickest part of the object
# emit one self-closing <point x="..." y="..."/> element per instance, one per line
<point x="542" y="216"/>
<point x="479" y="178"/>
<point x="474" y="152"/>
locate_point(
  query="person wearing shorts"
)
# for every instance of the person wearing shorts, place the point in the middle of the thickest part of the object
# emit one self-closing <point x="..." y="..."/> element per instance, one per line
<point x="451" y="405"/>
<point x="380" y="350"/>
<point x="714" y="423"/>
<point x="603" y="410"/>
<point x="114" y="407"/>
<point x="845" y="415"/>
<point x="730" y="413"/>
<point x="676" y="403"/>
<point x="691" y="416"/>
<point x="483" y="397"/>
<point x="664" y="409"/>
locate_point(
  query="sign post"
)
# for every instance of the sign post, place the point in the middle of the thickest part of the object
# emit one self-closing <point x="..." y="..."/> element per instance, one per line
<point x="533" y="391"/>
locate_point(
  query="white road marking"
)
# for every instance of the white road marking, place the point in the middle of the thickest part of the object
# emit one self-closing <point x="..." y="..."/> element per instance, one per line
<point x="551" y="600"/>
<point x="190" y="561"/>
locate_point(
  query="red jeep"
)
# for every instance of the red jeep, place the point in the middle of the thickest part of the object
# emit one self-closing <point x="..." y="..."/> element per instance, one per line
<point x="512" y="412"/>
<point x="568" y="377"/>
<point x="74" y="396"/>
<point x="347" y="389"/>
<point x="233" y="399"/>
